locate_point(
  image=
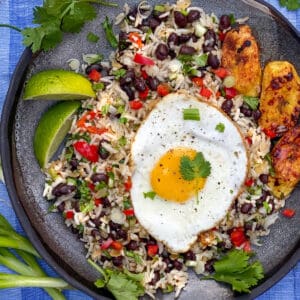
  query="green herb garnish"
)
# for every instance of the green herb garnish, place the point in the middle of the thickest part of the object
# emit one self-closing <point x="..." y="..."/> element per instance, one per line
<point x="267" y="207"/>
<point x="220" y="127"/>
<point x="160" y="8"/>
<point x="93" y="38"/>
<point x="232" y="19"/>
<point x="119" y="73"/>
<point x="234" y="268"/>
<point x="191" y="114"/>
<point x="150" y="195"/>
<point x="110" y="36"/>
<point x="98" y="86"/>
<point x="269" y="160"/>
<point x="201" y="60"/>
<point x="137" y="258"/>
<point x="122" y="141"/>
<point x="123" y="285"/>
<point x="191" y="169"/>
<point x="252" y="102"/>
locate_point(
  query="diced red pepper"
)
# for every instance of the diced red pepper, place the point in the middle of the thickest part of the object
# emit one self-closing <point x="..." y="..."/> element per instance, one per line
<point x="143" y="60"/>
<point x="247" y="246"/>
<point x="143" y="95"/>
<point x="220" y="72"/>
<point x="69" y="214"/>
<point x="270" y="133"/>
<point x="237" y="236"/>
<point x="91" y="187"/>
<point x="128" y="212"/>
<point x="94" y="75"/>
<point x="248" y="140"/>
<point x="106" y="244"/>
<point x="144" y="74"/>
<point x="230" y="92"/>
<point x="249" y="182"/>
<point x="135" y="38"/>
<point x="205" y="92"/>
<point x="198" y="81"/>
<point x="288" y="212"/>
<point x="98" y="201"/>
<point x="128" y="184"/>
<point x="218" y="94"/>
<point x="90" y="152"/>
<point x="152" y="250"/>
<point x="96" y="130"/>
<point x="135" y="104"/>
<point x="163" y="89"/>
<point x="116" y="245"/>
<point x="87" y="116"/>
<point x="222" y="36"/>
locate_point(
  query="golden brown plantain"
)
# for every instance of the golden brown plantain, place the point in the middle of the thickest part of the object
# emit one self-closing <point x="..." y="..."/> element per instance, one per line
<point x="280" y="97"/>
<point x="240" y="56"/>
<point x="286" y="162"/>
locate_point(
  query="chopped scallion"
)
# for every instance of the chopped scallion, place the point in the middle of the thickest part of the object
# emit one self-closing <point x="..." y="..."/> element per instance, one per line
<point x="191" y="114"/>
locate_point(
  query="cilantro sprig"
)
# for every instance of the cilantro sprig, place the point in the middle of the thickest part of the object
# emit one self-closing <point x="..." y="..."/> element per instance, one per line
<point x="235" y="269"/>
<point x="191" y="169"/>
<point x="57" y="17"/>
<point x="123" y="285"/>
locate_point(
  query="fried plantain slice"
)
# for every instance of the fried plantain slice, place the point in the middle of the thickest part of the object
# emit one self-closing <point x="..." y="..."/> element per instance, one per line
<point x="240" y="56"/>
<point x="286" y="162"/>
<point x="280" y="97"/>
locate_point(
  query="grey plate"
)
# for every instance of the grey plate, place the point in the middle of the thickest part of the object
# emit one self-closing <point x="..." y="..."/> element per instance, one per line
<point x="62" y="249"/>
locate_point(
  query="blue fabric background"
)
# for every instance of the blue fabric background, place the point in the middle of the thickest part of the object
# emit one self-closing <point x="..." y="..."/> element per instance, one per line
<point x="19" y="13"/>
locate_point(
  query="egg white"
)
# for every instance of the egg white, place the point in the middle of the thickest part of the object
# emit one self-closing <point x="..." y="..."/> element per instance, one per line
<point x="178" y="225"/>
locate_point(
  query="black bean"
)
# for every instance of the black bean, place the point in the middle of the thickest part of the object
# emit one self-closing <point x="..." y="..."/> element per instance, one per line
<point x="246" y="208"/>
<point x="256" y="114"/>
<point x="172" y="53"/>
<point x="74" y="230"/>
<point x="63" y="189"/>
<point x="180" y="19"/>
<point x="162" y="51"/>
<point x="105" y="202"/>
<point x="117" y="261"/>
<point x="165" y="253"/>
<point x="262" y="199"/>
<point x="104" y="258"/>
<point x="95" y="233"/>
<point x="190" y="255"/>
<point x="128" y="78"/>
<point x="209" y="266"/>
<point x="104" y="154"/>
<point x="227" y="106"/>
<point x="121" y="234"/>
<point x="173" y="39"/>
<point x="152" y="82"/>
<point x="207" y="48"/>
<point x="155" y="278"/>
<point x="76" y="206"/>
<point x="194" y="38"/>
<point x="123" y="44"/>
<point x="224" y="22"/>
<point x="140" y="84"/>
<point x="210" y="38"/>
<point x="113" y="235"/>
<point x="129" y="92"/>
<point x="96" y="221"/>
<point x="246" y="110"/>
<point x="193" y="15"/>
<point x="99" y="177"/>
<point x="153" y="23"/>
<point x="132" y="245"/>
<point x="61" y="207"/>
<point x="74" y="163"/>
<point x="248" y="226"/>
<point x="183" y="38"/>
<point x="114" y="226"/>
<point x="96" y="67"/>
<point x="132" y="13"/>
<point x="213" y="61"/>
<point x="264" y="178"/>
<point x="177" y="265"/>
<point x="184" y="49"/>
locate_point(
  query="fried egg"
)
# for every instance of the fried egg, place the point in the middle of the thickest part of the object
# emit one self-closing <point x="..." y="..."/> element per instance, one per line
<point x="181" y="209"/>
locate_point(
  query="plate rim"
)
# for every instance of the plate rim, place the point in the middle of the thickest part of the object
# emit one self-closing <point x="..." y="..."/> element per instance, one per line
<point x="6" y="152"/>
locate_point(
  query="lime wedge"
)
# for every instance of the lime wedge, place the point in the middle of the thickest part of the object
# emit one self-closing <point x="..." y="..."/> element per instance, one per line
<point x="58" y="85"/>
<point x="52" y="129"/>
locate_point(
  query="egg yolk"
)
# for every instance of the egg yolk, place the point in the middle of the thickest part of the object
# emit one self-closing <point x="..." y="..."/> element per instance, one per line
<point x="166" y="179"/>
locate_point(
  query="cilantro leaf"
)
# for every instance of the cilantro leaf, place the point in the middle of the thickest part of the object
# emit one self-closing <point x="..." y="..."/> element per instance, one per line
<point x="235" y="269"/>
<point x="110" y="36"/>
<point x="150" y="195"/>
<point x="123" y="285"/>
<point x="119" y="73"/>
<point x="290" y="4"/>
<point x="191" y="169"/>
<point x="220" y="127"/>
<point x="252" y="102"/>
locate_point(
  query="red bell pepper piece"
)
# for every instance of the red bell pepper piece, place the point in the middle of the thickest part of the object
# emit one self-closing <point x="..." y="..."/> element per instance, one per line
<point x="128" y="184"/>
<point x="144" y="74"/>
<point x="91" y="187"/>
<point x="221" y="72"/>
<point x="230" y="92"/>
<point x="152" y="250"/>
<point x="98" y="201"/>
<point x="69" y="214"/>
<point x="222" y="36"/>
<point x="248" y="140"/>
<point x="198" y="81"/>
<point x="90" y="152"/>
<point x="106" y="244"/>
<point x="237" y="236"/>
<point x="270" y="133"/>
<point x="135" y="104"/>
<point x="143" y="95"/>
<point x="247" y="246"/>
<point x="249" y="182"/>
<point x="143" y="60"/>
<point x="135" y="38"/>
<point x="94" y="75"/>
<point x="288" y="212"/>
<point x="116" y="245"/>
<point x="96" y="130"/>
<point x="129" y="212"/>
<point x="163" y="89"/>
<point x="205" y="92"/>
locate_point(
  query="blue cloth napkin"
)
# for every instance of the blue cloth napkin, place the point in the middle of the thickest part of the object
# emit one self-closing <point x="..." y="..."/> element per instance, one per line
<point x="19" y="13"/>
